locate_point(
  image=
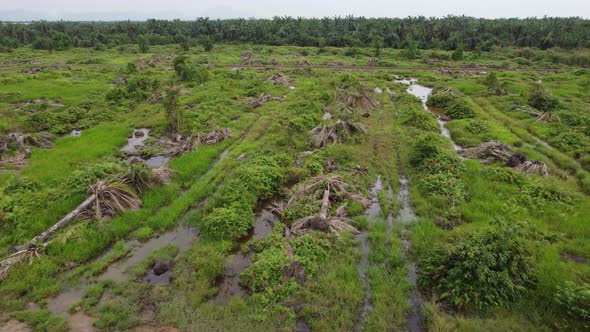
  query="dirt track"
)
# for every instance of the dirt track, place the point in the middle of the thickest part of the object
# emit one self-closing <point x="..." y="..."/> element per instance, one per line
<point x="478" y="69"/>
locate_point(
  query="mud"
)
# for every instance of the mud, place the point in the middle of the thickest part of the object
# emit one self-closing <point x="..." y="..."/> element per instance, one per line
<point x="238" y="263"/>
<point x="14" y="325"/>
<point x="372" y="213"/>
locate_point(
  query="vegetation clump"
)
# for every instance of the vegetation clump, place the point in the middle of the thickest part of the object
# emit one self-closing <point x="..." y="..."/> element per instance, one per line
<point x="502" y="272"/>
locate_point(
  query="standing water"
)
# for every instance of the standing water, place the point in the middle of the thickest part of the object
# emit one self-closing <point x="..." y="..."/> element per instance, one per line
<point x="423" y="92"/>
<point x="372" y="213"/>
<point x="407" y="217"/>
<point x="182" y="237"/>
<point x="238" y="263"/>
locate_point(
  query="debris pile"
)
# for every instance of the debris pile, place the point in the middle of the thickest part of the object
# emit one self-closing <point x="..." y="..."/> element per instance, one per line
<point x="490" y="152"/>
<point x="333" y="189"/>
<point x="334" y="132"/>
<point x="16" y="147"/>
<point x="360" y="99"/>
<point x="214" y="137"/>
<point x="281" y="79"/>
<point x="261" y="100"/>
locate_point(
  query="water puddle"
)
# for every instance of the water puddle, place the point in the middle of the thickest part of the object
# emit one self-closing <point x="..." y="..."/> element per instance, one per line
<point x="61" y="304"/>
<point x="238" y="263"/>
<point x="372" y="213"/>
<point x="136" y="140"/>
<point x="182" y="237"/>
<point x="422" y="92"/>
<point x="406" y="217"/>
<point x="152" y="162"/>
<point x="76" y="133"/>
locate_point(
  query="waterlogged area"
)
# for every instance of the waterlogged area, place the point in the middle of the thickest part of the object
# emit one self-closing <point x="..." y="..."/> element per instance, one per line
<point x="406" y="217"/>
<point x="236" y="264"/>
<point x="182" y="237"/>
<point x="423" y="92"/>
<point x="372" y="213"/>
<point x="135" y="142"/>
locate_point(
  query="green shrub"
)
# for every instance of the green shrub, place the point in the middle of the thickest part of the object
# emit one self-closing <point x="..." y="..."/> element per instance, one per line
<point x="461" y="109"/>
<point x="540" y="99"/>
<point x="441" y="100"/>
<point x="477" y="127"/>
<point x="575" y="300"/>
<point x="416" y="117"/>
<point x="442" y="163"/>
<point x="491" y="268"/>
<point x="443" y="184"/>
<point x="229" y="222"/>
<point x="427" y="146"/>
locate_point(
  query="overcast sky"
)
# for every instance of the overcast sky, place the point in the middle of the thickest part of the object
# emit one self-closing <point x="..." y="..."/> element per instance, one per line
<point x="18" y="10"/>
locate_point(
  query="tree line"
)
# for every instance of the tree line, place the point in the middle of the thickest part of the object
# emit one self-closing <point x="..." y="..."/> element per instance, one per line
<point x="449" y="33"/>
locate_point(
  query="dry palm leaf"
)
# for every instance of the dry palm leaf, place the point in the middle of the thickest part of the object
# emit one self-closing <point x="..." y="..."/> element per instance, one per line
<point x="332" y="133"/>
<point x="360" y="99"/>
<point x="113" y="197"/>
<point x="16" y="258"/>
<point x="162" y="175"/>
<point x="534" y="167"/>
<point x="281" y="79"/>
<point x="214" y="137"/>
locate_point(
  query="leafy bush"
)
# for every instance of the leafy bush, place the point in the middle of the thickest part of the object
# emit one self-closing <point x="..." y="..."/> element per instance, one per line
<point x="477" y="127"/>
<point x="229" y="222"/>
<point x="441" y="100"/>
<point x="427" y="146"/>
<point x="265" y="275"/>
<point x="461" y="109"/>
<point x="418" y="118"/>
<point x="540" y="99"/>
<point x="575" y="300"/>
<point x="491" y="268"/>
<point x="444" y="184"/>
<point x="442" y="163"/>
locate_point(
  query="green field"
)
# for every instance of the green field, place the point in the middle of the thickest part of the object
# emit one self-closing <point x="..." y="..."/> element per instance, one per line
<point x="496" y="247"/>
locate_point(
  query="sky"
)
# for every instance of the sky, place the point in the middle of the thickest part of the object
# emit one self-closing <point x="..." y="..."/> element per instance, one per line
<point x="108" y="10"/>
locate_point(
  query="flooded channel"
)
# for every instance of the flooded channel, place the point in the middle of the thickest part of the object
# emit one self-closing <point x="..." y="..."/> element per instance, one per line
<point x="372" y="213"/>
<point x="423" y="92"/>
<point x="238" y="263"/>
<point x="407" y="216"/>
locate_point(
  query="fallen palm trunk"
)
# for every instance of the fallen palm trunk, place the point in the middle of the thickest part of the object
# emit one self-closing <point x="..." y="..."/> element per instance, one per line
<point x="109" y="198"/>
<point x="60" y="224"/>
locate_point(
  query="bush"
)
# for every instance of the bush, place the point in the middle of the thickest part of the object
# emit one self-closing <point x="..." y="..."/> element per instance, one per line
<point x="461" y="109"/>
<point x="540" y="99"/>
<point x="418" y="118"/>
<point x="477" y="127"/>
<point x="427" y="146"/>
<point x="491" y="268"/>
<point x="575" y="300"/>
<point x="229" y="222"/>
<point x="441" y="100"/>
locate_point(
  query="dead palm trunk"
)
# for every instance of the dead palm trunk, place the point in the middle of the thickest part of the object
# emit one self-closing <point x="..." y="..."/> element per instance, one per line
<point x="325" y="204"/>
<point x="60" y="224"/>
